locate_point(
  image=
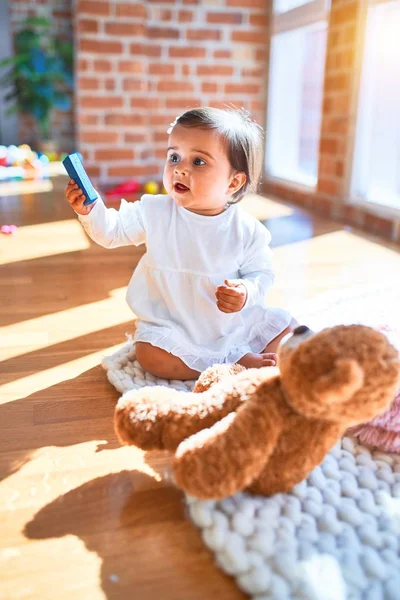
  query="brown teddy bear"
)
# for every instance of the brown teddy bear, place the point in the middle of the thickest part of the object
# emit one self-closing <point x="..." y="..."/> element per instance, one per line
<point x="265" y="429"/>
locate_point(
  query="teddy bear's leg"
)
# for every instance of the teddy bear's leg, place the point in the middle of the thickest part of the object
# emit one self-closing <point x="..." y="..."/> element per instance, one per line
<point x="291" y="464"/>
<point x="220" y="461"/>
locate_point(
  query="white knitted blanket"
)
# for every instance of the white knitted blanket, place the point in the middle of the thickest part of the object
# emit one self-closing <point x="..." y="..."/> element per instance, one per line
<point x="336" y="536"/>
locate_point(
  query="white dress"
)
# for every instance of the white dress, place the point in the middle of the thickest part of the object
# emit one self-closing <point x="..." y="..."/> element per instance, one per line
<point x="172" y="290"/>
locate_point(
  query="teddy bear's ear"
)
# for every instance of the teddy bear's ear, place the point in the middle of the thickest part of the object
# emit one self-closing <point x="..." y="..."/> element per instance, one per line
<point x="340" y="383"/>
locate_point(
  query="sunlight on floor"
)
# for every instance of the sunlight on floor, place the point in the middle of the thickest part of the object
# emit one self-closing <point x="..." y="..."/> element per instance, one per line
<point x="43" y="239"/>
<point x="16" y="188"/>
<point x="263" y="208"/>
<point x="55" y="328"/>
<point x="49" y="377"/>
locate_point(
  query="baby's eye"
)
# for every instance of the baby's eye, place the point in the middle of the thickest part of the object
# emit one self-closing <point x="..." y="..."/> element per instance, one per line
<point x="199" y="162"/>
<point x="173" y="158"/>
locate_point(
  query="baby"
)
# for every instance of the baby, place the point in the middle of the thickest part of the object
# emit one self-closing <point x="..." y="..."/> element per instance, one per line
<point x="199" y="291"/>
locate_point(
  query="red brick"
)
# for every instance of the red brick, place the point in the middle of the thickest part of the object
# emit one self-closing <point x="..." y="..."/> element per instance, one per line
<point x="109" y="84"/>
<point x="160" y="154"/>
<point x="163" y="119"/>
<point x="102" y="102"/>
<point x="209" y="87"/>
<point x="258" y="20"/>
<point x="186" y="52"/>
<point x="87" y="119"/>
<point x="242" y="88"/>
<point x="134" y="138"/>
<point x="163" y="33"/>
<point x="131" y="10"/>
<point x="133" y="171"/>
<point x="328" y="146"/>
<point x="160" y="136"/>
<point x="135" y="85"/>
<point x="92" y="170"/>
<point x="102" y="66"/>
<point x="175" y="86"/>
<point x="249" y="37"/>
<point x="323" y="206"/>
<point x="82" y="64"/>
<point x="92" y="8"/>
<point x="336" y="82"/>
<point x="247" y="3"/>
<point x="182" y="103"/>
<point x="261" y="54"/>
<point x="203" y="34"/>
<point x="344" y="14"/>
<point x="145" y="50"/>
<point x="349" y="34"/>
<point x="114" y="154"/>
<point x="328" y="186"/>
<point x="99" y="137"/>
<point x="161" y="69"/>
<point x="131" y="66"/>
<point x="185" y="16"/>
<point x="222" y="54"/>
<point x="100" y="46"/>
<point x="378" y="224"/>
<point x="218" y="70"/>
<point x="125" y="119"/>
<point x="88" y="25"/>
<point x="130" y="29"/>
<point x="259" y="73"/>
<point x="145" y="102"/>
<point x="228" y="18"/>
<point x="88" y="83"/>
<point x="186" y="70"/>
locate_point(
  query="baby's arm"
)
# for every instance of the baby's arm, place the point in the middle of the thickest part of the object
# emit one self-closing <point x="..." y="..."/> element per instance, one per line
<point x="256" y="270"/>
<point x="106" y="226"/>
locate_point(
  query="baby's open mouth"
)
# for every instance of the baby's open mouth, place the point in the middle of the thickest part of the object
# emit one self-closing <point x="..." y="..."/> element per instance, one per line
<point x="181" y="188"/>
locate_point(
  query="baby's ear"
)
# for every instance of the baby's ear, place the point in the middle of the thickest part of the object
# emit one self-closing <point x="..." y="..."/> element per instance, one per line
<point x="237" y="182"/>
<point x="340" y="383"/>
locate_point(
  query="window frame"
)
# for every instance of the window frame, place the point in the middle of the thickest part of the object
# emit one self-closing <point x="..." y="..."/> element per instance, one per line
<point x="296" y="18"/>
<point x="352" y="199"/>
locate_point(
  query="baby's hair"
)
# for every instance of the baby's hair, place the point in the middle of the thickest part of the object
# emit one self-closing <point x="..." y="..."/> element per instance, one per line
<point x="242" y="136"/>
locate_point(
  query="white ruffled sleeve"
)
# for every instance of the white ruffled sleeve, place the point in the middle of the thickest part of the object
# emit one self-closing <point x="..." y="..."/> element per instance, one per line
<point x="256" y="270"/>
<point x="112" y="228"/>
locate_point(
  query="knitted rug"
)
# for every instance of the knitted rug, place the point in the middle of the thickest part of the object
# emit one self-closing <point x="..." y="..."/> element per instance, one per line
<point x="336" y="535"/>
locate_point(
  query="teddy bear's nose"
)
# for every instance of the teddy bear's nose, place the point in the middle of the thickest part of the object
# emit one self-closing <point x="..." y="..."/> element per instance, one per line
<point x="300" y="329"/>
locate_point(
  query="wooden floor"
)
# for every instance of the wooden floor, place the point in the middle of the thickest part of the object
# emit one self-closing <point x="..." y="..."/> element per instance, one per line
<point x="80" y="516"/>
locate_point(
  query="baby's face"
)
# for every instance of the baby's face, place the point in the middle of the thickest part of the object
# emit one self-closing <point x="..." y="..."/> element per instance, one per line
<point x="197" y="174"/>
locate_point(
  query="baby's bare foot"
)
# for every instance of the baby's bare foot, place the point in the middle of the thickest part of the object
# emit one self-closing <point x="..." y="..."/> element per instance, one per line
<point x="256" y="361"/>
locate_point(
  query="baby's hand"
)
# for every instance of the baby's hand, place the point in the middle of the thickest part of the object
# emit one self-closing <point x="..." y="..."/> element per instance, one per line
<point x="76" y="198"/>
<point x="232" y="296"/>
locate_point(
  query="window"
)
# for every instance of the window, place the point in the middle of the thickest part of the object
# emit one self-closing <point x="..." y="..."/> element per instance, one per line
<point x="297" y="65"/>
<point x="376" y="165"/>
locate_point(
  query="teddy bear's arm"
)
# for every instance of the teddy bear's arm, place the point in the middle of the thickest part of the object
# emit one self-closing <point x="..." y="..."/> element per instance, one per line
<point x="159" y="418"/>
<point x="220" y="461"/>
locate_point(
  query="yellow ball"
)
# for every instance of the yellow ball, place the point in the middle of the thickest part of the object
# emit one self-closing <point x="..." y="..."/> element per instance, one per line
<point x="151" y="187"/>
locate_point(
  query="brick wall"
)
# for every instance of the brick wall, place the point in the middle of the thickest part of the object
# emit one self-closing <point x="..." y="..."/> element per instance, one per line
<point x="330" y="198"/>
<point x="139" y="65"/>
<point x="60" y="13"/>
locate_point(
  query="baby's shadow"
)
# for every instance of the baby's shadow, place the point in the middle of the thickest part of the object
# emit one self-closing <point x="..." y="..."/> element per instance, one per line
<point x="138" y="527"/>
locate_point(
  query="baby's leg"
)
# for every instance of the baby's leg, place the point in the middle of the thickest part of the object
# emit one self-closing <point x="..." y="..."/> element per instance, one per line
<point x="273" y="345"/>
<point x="161" y="363"/>
<point x="268" y="357"/>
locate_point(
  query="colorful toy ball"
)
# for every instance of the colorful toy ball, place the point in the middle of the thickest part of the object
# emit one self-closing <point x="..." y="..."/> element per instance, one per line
<point x="8" y="229"/>
<point x="151" y="187"/>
